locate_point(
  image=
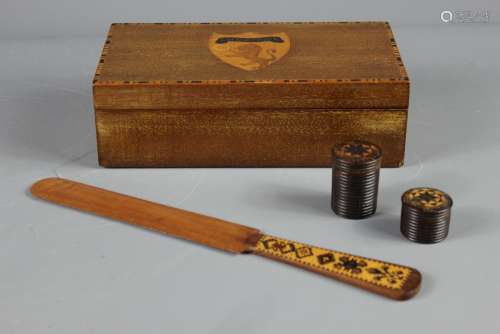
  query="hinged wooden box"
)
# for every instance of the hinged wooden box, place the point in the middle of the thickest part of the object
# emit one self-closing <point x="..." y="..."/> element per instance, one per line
<point x="248" y="95"/>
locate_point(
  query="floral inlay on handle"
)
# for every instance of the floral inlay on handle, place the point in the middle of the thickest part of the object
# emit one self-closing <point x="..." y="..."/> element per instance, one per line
<point x="357" y="270"/>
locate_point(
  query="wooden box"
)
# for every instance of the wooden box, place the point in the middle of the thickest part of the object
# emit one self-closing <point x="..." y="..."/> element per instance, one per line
<point x="248" y="94"/>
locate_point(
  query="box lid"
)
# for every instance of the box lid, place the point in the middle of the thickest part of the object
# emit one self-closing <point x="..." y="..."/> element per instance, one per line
<point x="341" y="65"/>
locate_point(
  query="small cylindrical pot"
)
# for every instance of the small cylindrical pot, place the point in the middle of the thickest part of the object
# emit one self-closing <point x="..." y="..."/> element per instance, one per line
<point x="425" y="215"/>
<point x="356" y="170"/>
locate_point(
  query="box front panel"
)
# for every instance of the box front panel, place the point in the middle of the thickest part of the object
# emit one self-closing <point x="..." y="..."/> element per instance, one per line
<point x="242" y="138"/>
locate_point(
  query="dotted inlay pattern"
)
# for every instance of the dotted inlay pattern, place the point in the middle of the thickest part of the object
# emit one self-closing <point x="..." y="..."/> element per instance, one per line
<point x="365" y="269"/>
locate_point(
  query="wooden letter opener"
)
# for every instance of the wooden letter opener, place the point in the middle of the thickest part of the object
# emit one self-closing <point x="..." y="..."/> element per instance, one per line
<point x="387" y="279"/>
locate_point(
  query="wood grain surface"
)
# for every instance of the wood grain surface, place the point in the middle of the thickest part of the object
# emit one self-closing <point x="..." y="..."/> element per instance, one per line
<point x="329" y="65"/>
<point x="242" y="138"/>
<point x="387" y="279"/>
<point x="175" y="222"/>
<point x="248" y="95"/>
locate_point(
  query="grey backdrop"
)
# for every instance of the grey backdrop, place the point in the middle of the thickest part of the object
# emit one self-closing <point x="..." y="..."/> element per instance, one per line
<point x="29" y="19"/>
<point x="63" y="271"/>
